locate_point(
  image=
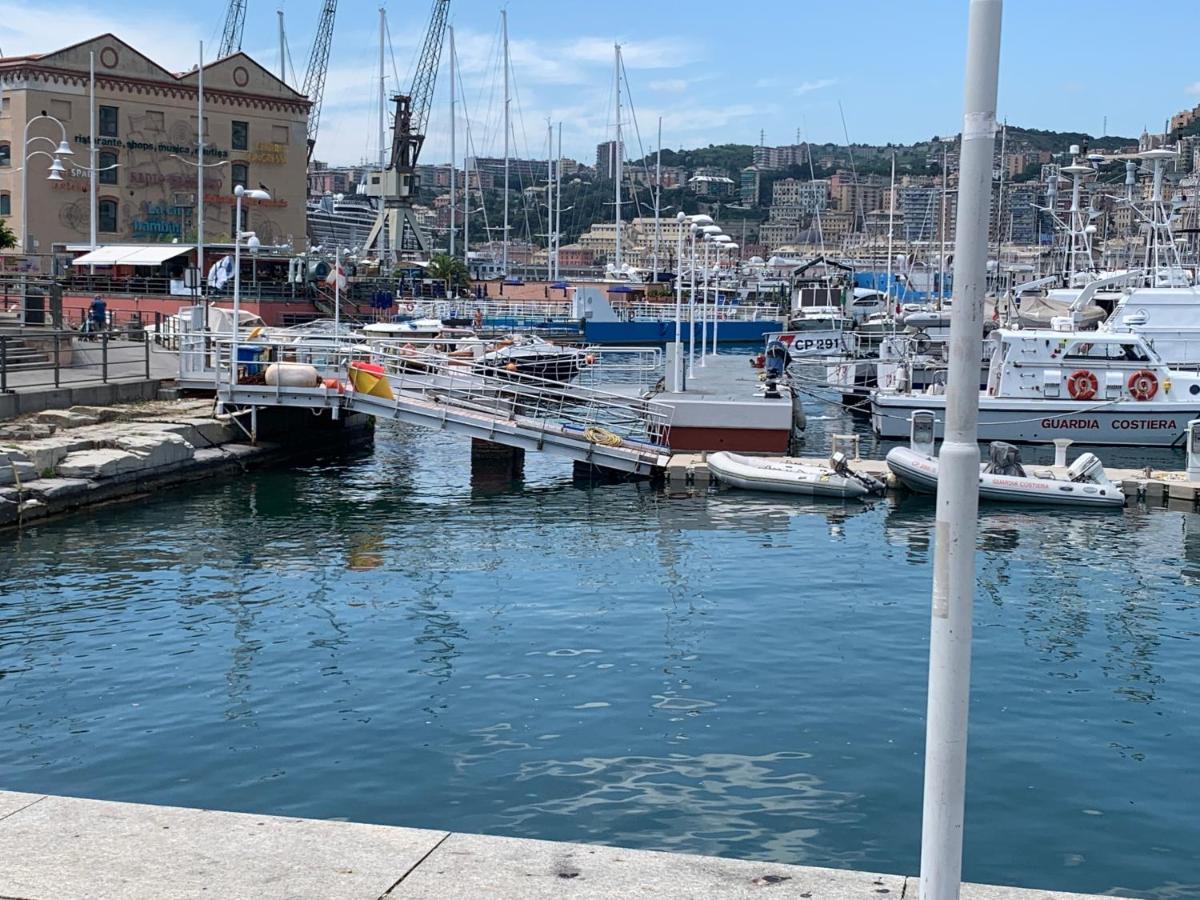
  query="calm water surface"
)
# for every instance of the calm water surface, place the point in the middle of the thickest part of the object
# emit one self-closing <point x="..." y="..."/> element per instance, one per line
<point x="378" y="638"/>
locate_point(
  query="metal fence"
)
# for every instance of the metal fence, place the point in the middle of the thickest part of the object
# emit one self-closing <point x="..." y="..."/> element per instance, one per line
<point x="55" y="358"/>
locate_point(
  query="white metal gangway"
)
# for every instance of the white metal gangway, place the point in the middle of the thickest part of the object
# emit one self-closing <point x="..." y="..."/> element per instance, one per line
<point x="435" y="390"/>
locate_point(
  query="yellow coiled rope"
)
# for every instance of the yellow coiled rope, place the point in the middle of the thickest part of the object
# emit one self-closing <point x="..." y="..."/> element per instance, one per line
<point x="602" y="437"/>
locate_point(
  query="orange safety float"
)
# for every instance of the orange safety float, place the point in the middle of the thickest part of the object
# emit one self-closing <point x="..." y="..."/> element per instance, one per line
<point x="1142" y="384"/>
<point x="370" y="378"/>
<point x="1082" y="384"/>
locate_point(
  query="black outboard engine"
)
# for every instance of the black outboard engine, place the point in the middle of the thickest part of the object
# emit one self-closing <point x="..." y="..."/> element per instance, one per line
<point x="775" y="362"/>
<point x="1004" y="459"/>
<point x="776" y="359"/>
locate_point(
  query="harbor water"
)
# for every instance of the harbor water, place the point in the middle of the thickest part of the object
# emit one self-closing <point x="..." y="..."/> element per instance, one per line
<point x="381" y="638"/>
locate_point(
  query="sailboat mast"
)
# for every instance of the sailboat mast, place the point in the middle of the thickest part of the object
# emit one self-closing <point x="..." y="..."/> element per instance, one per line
<point x="383" y="234"/>
<point x="558" y="202"/>
<point x="504" y="31"/>
<point x="282" y="48"/>
<point x="617" y="154"/>
<point x="942" y="237"/>
<point x="891" y="236"/>
<point x="657" y="199"/>
<point x="1000" y="199"/>
<point x="453" y="149"/>
<point x="549" y="200"/>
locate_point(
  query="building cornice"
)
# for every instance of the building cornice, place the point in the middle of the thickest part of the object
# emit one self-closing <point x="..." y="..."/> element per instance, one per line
<point x="144" y="86"/>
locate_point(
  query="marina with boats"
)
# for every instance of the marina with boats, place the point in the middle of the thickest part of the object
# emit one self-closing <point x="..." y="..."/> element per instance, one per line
<point x="669" y="550"/>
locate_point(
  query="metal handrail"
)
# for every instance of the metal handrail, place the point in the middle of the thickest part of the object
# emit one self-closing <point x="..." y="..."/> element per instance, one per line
<point x="423" y="375"/>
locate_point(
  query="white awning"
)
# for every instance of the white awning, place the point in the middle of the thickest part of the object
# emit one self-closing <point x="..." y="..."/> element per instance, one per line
<point x="131" y="255"/>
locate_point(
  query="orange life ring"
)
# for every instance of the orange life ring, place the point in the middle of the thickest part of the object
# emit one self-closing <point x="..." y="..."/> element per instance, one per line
<point x="1082" y="384"/>
<point x="1142" y="384"/>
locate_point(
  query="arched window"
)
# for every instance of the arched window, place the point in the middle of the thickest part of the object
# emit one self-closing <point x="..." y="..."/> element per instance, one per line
<point x="104" y="159"/>
<point x="106" y="214"/>
<point x="239" y="173"/>
<point x="5" y="204"/>
<point x="5" y="154"/>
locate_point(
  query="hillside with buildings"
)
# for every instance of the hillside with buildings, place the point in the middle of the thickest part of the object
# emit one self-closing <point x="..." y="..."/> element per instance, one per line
<point x="792" y="198"/>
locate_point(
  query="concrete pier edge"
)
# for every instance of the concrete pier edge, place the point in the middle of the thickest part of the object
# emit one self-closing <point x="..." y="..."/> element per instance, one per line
<point x="64" y="847"/>
<point x="42" y="497"/>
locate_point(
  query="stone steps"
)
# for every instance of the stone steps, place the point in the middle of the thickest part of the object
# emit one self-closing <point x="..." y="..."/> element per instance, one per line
<point x="19" y="356"/>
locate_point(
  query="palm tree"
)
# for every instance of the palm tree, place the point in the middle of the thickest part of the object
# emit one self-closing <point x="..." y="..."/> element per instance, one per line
<point x="450" y="270"/>
<point x="7" y="238"/>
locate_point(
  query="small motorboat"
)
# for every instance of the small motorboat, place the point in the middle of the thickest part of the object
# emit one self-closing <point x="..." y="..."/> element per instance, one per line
<point x="416" y="329"/>
<point x="790" y="476"/>
<point x="535" y="357"/>
<point x="1004" y="479"/>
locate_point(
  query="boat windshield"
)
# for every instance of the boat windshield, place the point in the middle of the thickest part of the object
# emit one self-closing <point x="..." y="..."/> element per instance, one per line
<point x="1130" y="351"/>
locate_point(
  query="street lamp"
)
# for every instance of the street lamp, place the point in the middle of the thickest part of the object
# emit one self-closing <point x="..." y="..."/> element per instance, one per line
<point x="253" y="194"/>
<point x="709" y="234"/>
<point x="693" y="229"/>
<point x="723" y="242"/>
<point x="62" y="148"/>
<point x="676" y="367"/>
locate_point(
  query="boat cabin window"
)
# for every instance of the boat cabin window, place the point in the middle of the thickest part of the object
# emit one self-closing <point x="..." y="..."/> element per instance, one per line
<point x="1129" y="352"/>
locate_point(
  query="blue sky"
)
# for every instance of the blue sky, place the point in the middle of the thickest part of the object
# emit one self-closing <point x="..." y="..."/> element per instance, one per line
<point x="715" y="71"/>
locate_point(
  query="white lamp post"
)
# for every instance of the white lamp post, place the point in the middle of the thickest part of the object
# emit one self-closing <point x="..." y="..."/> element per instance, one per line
<point x="710" y="233"/>
<point x="693" y="229"/>
<point x="698" y="222"/>
<point x="723" y="242"/>
<point x="677" y="368"/>
<point x="254" y="194"/>
<point x="56" y="168"/>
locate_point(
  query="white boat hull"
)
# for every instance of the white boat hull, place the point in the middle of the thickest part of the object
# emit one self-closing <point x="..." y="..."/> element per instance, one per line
<point x="920" y="473"/>
<point x="781" y="476"/>
<point x="1122" y="423"/>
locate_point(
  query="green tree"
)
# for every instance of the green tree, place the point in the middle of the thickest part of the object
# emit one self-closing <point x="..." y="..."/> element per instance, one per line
<point x="7" y="238"/>
<point x="450" y="270"/>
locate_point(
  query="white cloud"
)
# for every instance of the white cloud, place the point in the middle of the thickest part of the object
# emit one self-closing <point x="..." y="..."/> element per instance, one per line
<point x="1193" y="88"/>
<point x="24" y="29"/>
<point x="807" y="87"/>
<point x="669" y="85"/>
<point x="657" y="53"/>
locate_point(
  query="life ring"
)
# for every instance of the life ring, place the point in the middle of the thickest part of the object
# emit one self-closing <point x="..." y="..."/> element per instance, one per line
<point x="408" y="307"/>
<point x="1142" y="384"/>
<point x="1082" y="384"/>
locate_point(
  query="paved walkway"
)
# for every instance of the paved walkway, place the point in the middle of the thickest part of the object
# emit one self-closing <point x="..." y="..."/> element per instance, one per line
<point x="126" y="362"/>
<point x="63" y="848"/>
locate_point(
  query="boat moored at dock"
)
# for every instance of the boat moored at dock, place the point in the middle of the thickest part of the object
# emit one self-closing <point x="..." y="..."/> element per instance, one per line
<point x="1089" y="387"/>
<point x="1003" y="479"/>
<point x="790" y="476"/>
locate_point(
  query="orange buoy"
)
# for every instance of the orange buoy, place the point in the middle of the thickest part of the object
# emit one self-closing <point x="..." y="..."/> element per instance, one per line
<point x="1142" y="384"/>
<point x="1082" y="384"/>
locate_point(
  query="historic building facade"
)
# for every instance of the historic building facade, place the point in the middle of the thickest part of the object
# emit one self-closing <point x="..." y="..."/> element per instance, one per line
<point x="146" y="136"/>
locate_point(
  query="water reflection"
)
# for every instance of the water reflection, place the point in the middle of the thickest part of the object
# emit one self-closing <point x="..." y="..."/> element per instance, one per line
<point x="739" y="805"/>
<point x="380" y="638"/>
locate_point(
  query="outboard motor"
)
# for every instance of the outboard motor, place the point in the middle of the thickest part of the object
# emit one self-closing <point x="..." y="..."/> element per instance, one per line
<point x="775" y="359"/>
<point x="840" y="463"/>
<point x="1004" y="459"/>
<point x="774" y="367"/>
<point x="1087" y="468"/>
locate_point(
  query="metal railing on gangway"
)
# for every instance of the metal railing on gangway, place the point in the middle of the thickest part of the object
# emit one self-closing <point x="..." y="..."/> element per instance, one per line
<point x="428" y="384"/>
